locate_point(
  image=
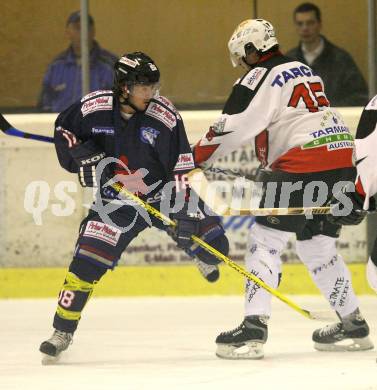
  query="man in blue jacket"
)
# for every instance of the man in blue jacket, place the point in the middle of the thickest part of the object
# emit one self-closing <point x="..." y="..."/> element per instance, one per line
<point x="62" y="82"/>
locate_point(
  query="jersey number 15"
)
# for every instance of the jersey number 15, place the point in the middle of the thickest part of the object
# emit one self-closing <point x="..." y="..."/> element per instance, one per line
<point x="301" y="91"/>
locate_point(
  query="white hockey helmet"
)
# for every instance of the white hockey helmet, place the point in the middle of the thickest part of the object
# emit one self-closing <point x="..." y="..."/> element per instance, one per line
<point x="258" y="32"/>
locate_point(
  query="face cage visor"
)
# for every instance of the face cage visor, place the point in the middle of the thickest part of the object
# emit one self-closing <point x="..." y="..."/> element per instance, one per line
<point x="238" y="59"/>
<point x="143" y="90"/>
<point x="235" y="60"/>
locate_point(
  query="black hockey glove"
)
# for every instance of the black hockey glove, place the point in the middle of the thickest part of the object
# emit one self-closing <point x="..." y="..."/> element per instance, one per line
<point x="186" y="226"/>
<point x="352" y="214"/>
<point x="87" y="156"/>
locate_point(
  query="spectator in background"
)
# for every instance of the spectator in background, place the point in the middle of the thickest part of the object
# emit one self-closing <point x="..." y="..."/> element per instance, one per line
<point x="345" y="86"/>
<point x="62" y="82"/>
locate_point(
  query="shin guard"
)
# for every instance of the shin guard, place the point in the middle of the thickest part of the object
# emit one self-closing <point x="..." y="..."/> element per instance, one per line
<point x="72" y="299"/>
<point x="329" y="272"/>
<point x="263" y="260"/>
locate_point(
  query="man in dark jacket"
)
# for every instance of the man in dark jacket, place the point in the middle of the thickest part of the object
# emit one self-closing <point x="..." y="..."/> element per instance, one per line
<point x="345" y="85"/>
<point x="61" y="84"/>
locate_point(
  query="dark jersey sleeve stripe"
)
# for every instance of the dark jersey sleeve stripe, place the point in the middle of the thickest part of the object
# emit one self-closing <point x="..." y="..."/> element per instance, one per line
<point x="241" y="96"/>
<point x="367" y="123"/>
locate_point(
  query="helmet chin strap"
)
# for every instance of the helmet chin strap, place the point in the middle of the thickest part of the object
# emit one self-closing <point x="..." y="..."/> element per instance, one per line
<point x="244" y="64"/>
<point x="126" y="102"/>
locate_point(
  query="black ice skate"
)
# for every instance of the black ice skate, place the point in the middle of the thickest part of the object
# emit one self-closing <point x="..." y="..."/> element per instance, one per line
<point x="244" y="342"/>
<point x="52" y="348"/>
<point x="351" y="334"/>
<point x="209" y="272"/>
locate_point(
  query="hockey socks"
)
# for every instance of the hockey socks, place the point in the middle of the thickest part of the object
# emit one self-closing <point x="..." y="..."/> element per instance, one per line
<point x="72" y="300"/>
<point x="329" y="272"/>
<point x="263" y="260"/>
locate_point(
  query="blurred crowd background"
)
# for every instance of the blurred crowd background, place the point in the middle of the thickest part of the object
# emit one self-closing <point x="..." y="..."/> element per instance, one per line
<point x="187" y="39"/>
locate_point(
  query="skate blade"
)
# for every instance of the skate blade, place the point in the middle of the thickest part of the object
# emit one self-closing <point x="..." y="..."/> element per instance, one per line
<point x="252" y="350"/>
<point x="347" y="345"/>
<point x="208" y="271"/>
<point x="48" y="360"/>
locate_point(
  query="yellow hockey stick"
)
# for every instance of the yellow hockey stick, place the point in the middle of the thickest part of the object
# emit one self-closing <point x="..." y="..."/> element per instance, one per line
<point x="323" y="316"/>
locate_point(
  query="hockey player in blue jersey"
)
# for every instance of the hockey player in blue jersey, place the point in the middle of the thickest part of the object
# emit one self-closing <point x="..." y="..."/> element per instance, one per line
<point x="145" y="136"/>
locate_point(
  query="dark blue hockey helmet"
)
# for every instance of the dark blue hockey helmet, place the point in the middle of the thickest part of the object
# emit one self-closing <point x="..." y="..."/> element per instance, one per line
<point x="134" y="68"/>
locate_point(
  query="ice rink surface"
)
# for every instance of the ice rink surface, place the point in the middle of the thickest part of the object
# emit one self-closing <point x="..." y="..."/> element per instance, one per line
<point x="168" y="343"/>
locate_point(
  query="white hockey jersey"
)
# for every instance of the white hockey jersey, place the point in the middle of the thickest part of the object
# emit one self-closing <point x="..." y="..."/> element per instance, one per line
<point x="366" y="151"/>
<point x="281" y="105"/>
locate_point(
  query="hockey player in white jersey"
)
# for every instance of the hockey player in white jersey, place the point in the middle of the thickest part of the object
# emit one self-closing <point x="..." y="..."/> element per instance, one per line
<point x="366" y="182"/>
<point x="302" y="144"/>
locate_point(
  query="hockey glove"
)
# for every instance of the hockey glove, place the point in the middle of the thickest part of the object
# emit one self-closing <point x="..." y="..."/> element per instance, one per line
<point x="186" y="226"/>
<point x="352" y="213"/>
<point x="212" y="232"/>
<point x="87" y="156"/>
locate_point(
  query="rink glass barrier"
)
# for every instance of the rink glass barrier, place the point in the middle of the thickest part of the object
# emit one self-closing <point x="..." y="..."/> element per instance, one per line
<point x="42" y="206"/>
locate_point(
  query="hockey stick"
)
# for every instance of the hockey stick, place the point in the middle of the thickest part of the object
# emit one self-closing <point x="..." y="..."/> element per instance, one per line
<point x="322" y="316"/>
<point x="231" y="173"/>
<point x="8" y="129"/>
<point x="207" y="193"/>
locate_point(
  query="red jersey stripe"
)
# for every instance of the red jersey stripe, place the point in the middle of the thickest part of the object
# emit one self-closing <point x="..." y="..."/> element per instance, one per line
<point x="298" y="160"/>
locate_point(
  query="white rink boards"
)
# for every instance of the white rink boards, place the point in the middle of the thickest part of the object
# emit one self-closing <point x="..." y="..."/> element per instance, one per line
<point x="168" y="343"/>
<point x="46" y="195"/>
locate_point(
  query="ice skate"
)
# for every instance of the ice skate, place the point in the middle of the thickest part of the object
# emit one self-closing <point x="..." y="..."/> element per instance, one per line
<point x="54" y="346"/>
<point x="209" y="272"/>
<point x="244" y="342"/>
<point x="351" y="334"/>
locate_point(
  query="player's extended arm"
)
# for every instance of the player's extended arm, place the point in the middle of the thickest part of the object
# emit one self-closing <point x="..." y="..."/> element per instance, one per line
<point x="246" y="113"/>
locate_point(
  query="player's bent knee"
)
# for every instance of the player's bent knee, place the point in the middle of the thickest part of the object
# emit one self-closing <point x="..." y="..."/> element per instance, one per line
<point x="99" y="257"/>
<point x="262" y="259"/>
<point x="318" y="250"/>
<point x="86" y="270"/>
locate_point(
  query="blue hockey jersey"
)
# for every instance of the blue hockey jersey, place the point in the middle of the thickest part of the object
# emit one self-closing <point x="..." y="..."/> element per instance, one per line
<point x="153" y="143"/>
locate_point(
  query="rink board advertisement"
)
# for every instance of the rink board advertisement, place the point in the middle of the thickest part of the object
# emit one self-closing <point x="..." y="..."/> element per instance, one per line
<point x="41" y="214"/>
<point x="41" y="210"/>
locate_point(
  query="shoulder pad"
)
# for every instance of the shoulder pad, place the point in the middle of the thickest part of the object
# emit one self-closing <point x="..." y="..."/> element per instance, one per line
<point x="372" y="105"/>
<point x="96" y="93"/>
<point x="166" y="102"/>
<point x="253" y="78"/>
<point x="97" y="101"/>
<point x="164" y="111"/>
<point x="237" y="81"/>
